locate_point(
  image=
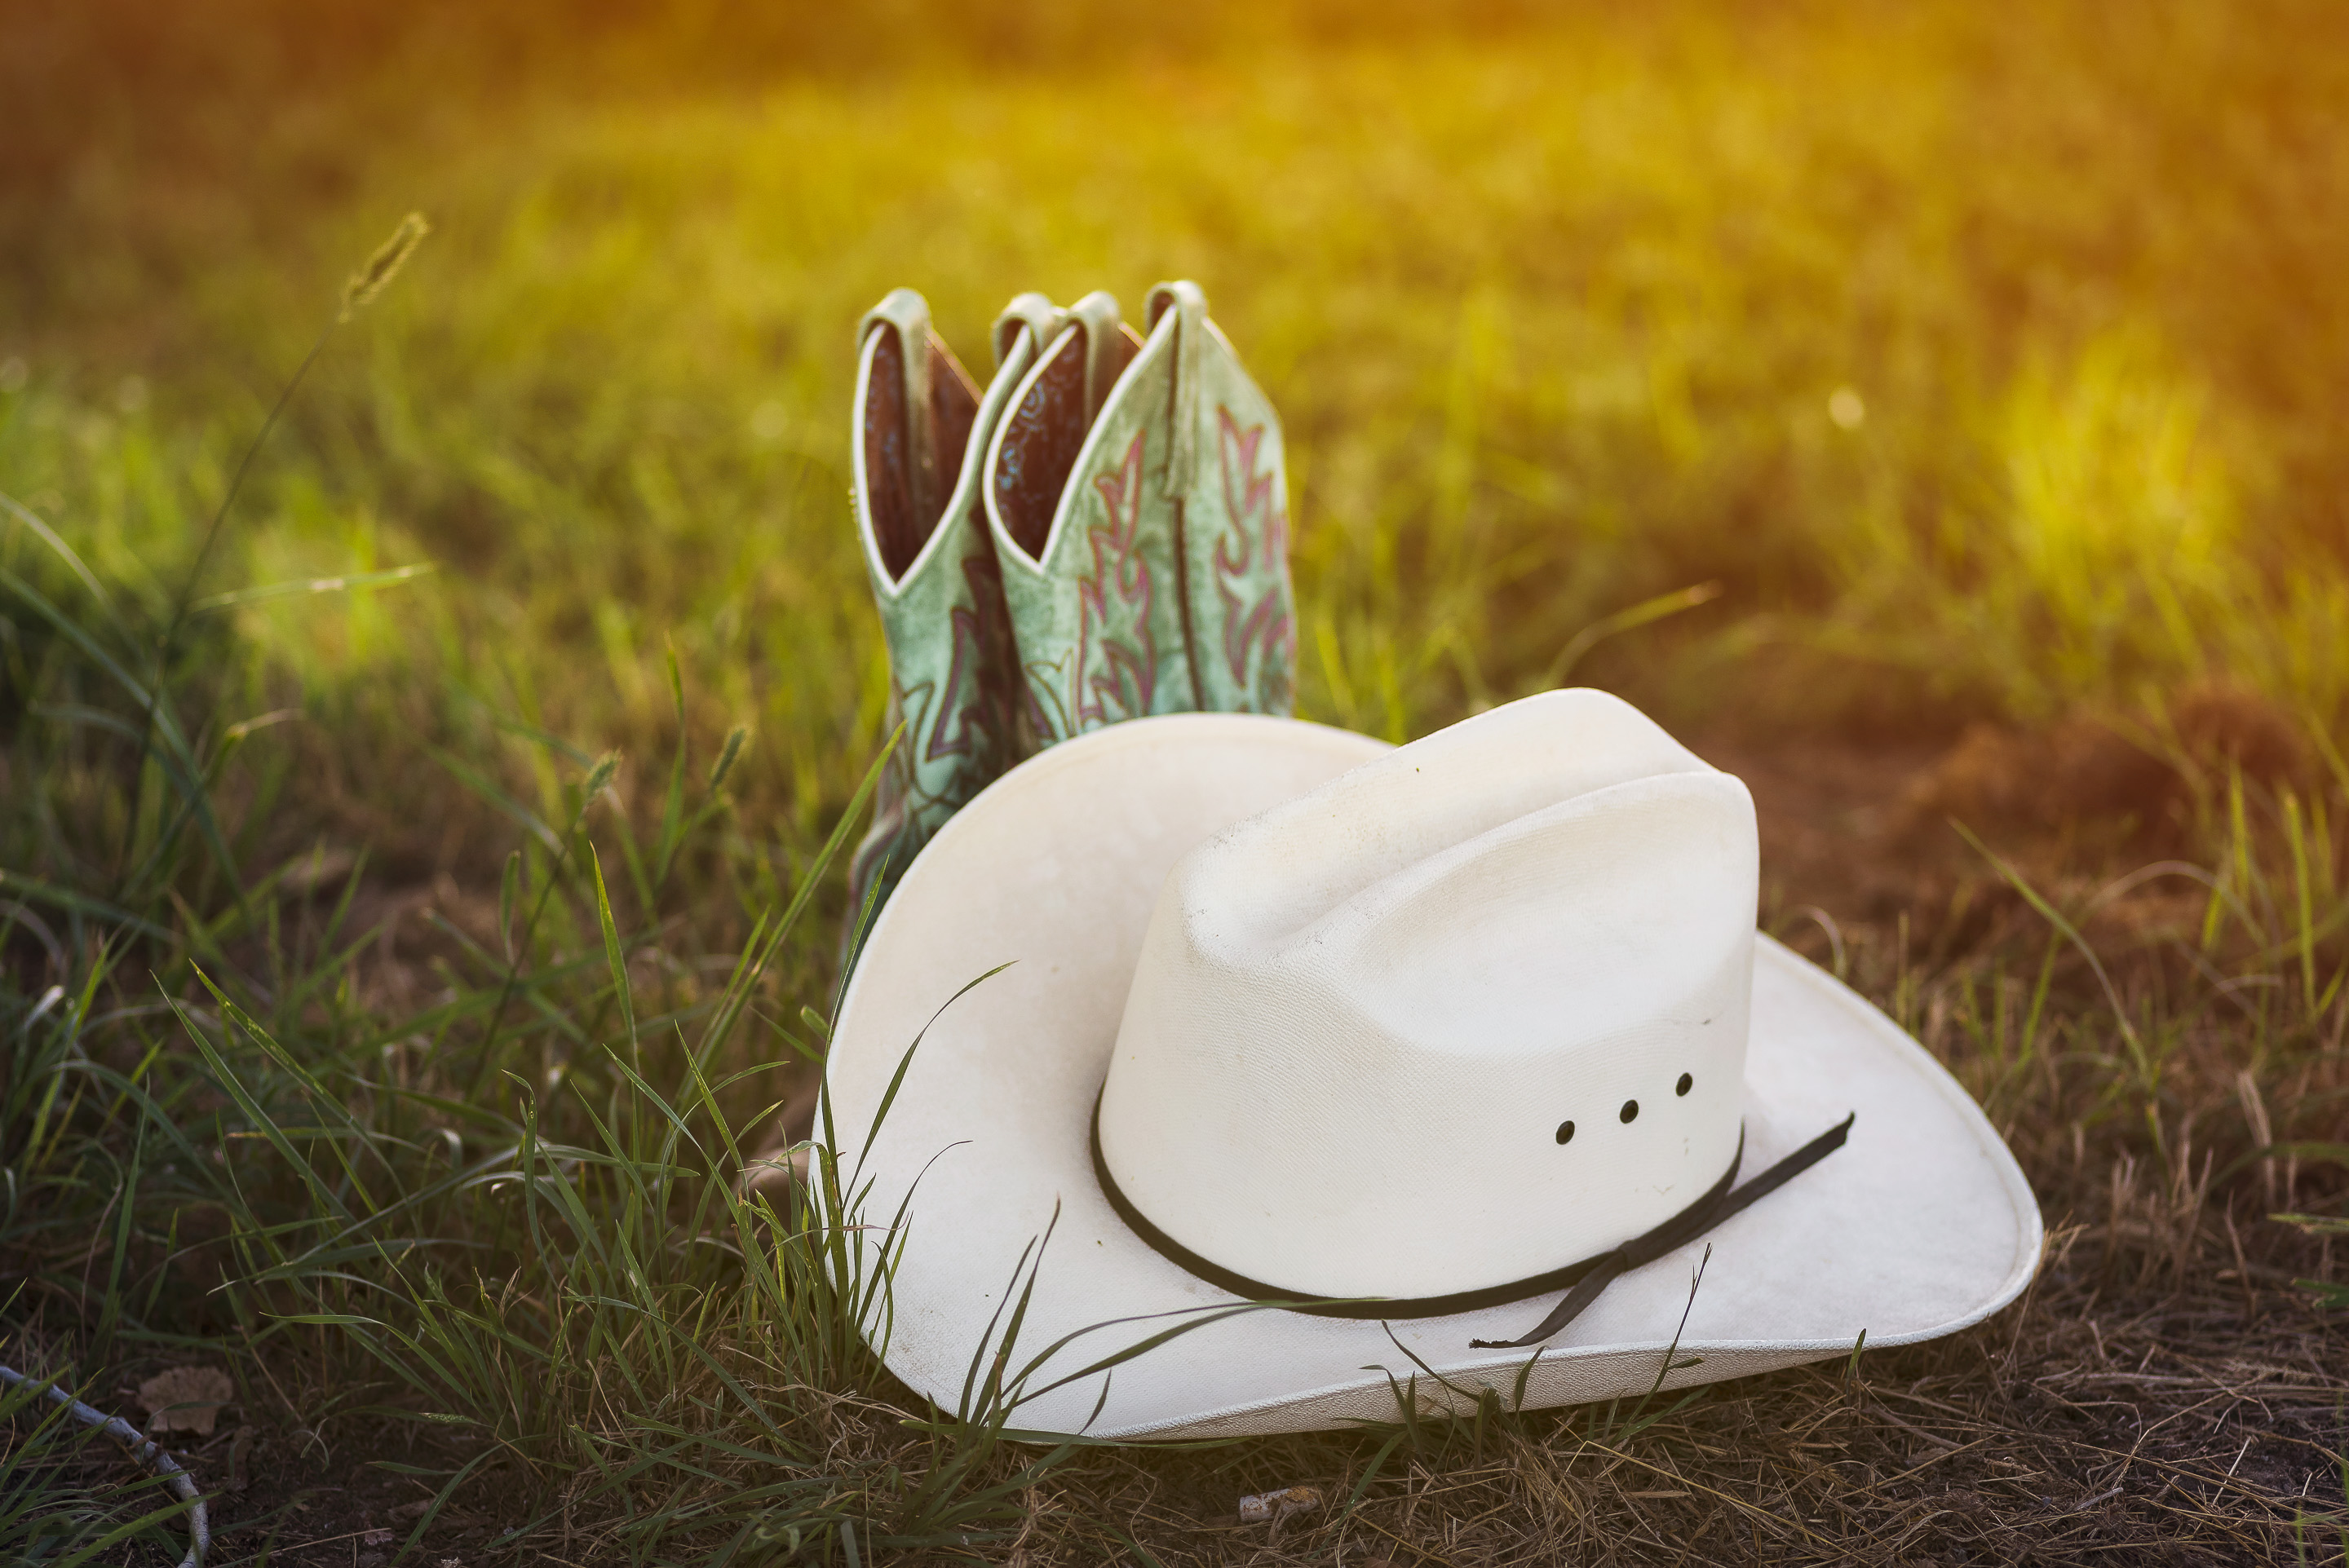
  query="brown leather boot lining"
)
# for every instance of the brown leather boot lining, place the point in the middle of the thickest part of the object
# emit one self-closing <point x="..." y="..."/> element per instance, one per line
<point x="1045" y="434"/>
<point x="888" y="498"/>
<point x="954" y="407"/>
<point x="954" y="404"/>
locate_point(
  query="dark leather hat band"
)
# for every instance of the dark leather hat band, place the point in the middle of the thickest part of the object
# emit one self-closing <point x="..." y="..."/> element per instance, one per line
<point x="1584" y="1281"/>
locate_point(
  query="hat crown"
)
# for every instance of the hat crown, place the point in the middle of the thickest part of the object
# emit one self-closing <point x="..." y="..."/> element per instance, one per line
<point x="1362" y="1022"/>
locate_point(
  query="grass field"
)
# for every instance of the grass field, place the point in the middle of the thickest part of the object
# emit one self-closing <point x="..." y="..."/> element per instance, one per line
<point x="415" y="884"/>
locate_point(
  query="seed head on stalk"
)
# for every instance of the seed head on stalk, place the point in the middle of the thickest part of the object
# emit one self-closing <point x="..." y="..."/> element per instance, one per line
<point x="372" y="280"/>
<point x="358" y="292"/>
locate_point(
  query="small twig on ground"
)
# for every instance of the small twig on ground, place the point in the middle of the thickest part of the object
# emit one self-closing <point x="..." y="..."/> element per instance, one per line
<point x="149" y="1454"/>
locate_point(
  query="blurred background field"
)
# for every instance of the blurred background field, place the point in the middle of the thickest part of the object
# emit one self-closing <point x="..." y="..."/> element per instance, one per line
<point x="1983" y="375"/>
<point x="1991" y="367"/>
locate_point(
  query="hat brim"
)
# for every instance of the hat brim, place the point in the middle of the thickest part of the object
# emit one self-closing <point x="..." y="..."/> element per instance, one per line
<point x="1921" y="1225"/>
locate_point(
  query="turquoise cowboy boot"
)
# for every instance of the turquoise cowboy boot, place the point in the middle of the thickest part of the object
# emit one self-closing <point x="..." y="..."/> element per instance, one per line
<point x="1139" y="511"/>
<point x="921" y="428"/>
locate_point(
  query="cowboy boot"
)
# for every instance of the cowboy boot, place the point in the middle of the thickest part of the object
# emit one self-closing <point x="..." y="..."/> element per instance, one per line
<point x="1138" y="507"/>
<point x="921" y="429"/>
<point x="1228" y="494"/>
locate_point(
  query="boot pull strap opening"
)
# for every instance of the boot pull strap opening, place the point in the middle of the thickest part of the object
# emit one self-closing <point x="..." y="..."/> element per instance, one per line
<point x="1040" y="317"/>
<point x="1190" y="306"/>
<point x="1096" y="315"/>
<point x="906" y="315"/>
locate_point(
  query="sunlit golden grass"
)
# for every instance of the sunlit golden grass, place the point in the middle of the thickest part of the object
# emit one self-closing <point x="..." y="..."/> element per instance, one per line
<point x="1556" y="328"/>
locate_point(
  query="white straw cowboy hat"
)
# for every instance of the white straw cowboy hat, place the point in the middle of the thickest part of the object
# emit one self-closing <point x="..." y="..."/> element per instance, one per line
<point x="1467" y="1050"/>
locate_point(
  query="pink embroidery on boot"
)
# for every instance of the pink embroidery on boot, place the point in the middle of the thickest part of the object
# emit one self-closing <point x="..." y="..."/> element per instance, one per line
<point x="1260" y="523"/>
<point x="1126" y="652"/>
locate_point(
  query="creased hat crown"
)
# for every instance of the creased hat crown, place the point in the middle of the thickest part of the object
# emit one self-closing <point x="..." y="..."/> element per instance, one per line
<point x="1502" y="972"/>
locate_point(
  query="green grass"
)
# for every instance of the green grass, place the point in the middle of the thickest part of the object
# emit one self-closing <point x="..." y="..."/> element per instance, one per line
<point x="1555" y="328"/>
<point x="1926" y="373"/>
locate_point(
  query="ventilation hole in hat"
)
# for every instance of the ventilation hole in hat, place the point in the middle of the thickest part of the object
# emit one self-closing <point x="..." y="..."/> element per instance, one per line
<point x="1685" y="1084"/>
<point x="1566" y="1132"/>
<point x="1630" y="1110"/>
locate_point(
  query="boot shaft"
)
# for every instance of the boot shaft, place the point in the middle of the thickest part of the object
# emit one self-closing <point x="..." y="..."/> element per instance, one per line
<point x="921" y="428"/>
<point x="1142" y="533"/>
